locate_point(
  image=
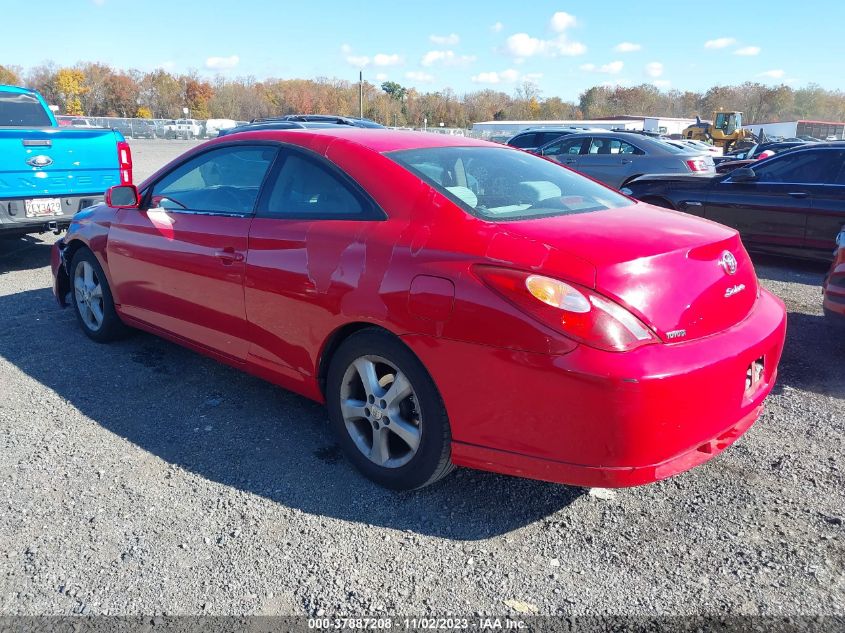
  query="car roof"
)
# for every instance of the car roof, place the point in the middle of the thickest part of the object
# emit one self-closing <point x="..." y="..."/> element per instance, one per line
<point x="377" y="140"/>
<point x="19" y="89"/>
<point x="643" y="140"/>
<point x="564" y="128"/>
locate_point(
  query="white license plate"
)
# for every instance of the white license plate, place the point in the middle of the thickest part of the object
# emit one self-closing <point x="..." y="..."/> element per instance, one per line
<point x="43" y="207"/>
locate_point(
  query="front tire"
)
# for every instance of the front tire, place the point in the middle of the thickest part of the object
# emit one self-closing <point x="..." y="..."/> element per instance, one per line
<point x="387" y="413"/>
<point x="92" y="299"/>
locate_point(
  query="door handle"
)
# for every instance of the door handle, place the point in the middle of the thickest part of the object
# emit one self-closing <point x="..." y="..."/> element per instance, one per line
<point x="570" y="161"/>
<point x="627" y="161"/>
<point x="798" y="194"/>
<point x="229" y="256"/>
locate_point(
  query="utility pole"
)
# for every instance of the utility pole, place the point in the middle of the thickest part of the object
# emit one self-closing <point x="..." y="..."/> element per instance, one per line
<point x="361" y="93"/>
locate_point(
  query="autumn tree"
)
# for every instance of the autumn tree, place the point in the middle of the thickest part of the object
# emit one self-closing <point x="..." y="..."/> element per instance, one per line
<point x="10" y="75"/>
<point x="198" y="94"/>
<point x="69" y="86"/>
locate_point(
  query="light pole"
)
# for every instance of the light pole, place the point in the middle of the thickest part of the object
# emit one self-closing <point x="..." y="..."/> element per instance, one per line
<point x="361" y="93"/>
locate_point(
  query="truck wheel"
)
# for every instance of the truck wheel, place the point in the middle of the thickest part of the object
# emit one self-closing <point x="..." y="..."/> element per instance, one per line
<point x="92" y="299"/>
<point x="387" y="413"/>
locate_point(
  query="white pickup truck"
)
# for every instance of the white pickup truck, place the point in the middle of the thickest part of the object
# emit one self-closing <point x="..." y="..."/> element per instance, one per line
<point x="183" y="128"/>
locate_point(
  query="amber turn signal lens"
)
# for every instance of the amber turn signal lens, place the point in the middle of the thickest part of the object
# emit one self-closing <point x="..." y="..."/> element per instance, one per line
<point x="557" y="294"/>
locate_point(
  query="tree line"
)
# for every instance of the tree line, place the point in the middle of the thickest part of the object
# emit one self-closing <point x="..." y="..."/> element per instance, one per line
<point x="96" y="89"/>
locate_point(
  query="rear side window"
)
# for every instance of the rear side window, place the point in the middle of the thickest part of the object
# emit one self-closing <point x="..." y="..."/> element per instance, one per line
<point x="564" y="146"/>
<point x="612" y="146"/>
<point x="504" y="184"/>
<point x="304" y="188"/>
<point x="800" y="168"/>
<point x="524" y="140"/>
<point x="19" y="109"/>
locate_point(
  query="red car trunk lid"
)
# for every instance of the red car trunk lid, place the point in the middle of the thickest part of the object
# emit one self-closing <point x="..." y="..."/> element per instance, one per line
<point x="683" y="276"/>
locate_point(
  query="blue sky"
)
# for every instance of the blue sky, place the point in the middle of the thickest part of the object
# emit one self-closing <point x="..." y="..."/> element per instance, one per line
<point x="562" y="47"/>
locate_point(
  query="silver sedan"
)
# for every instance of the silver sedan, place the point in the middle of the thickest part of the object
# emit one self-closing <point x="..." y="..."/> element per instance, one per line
<point x="615" y="158"/>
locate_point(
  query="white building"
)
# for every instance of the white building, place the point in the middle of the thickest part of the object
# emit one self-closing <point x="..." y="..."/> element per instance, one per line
<point x="822" y="130"/>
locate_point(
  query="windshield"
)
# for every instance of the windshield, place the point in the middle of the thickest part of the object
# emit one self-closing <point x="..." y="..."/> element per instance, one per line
<point x="504" y="184"/>
<point x="19" y="109"/>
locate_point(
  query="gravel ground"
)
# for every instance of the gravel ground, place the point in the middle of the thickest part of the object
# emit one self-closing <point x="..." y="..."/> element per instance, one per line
<point x="140" y="478"/>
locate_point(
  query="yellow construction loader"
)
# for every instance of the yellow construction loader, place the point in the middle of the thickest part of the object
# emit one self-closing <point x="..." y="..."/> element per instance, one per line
<point x="725" y="130"/>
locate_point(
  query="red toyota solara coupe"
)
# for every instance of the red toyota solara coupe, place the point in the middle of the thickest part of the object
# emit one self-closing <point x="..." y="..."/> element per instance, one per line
<point x="452" y="301"/>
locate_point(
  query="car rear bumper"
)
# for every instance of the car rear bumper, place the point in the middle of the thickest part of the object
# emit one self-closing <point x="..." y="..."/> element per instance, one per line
<point x="13" y="220"/>
<point x="834" y="289"/>
<point x="594" y="418"/>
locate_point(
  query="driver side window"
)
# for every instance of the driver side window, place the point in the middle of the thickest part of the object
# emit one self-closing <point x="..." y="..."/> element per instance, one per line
<point x="224" y="180"/>
<point x="564" y="146"/>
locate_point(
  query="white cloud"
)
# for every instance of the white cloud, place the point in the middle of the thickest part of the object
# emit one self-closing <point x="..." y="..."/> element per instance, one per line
<point x="497" y="28"/>
<point x="358" y="61"/>
<point x="662" y="83"/>
<point x="445" y="40"/>
<point x="522" y="45"/>
<point x="611" y="68"/>
<point x="627" y="47"/>
<point x="382" y="77"/>
<point x="447" y="58"/>
<point x="383" y="59"/>
<point x="720" y="42"/>
<point x="362" y="61"/>
<point x="654" y="69"/>
<point x="748" y="51"/>
<point x="222" y="63"/>
<point x="420" y="76"/>
<point x="168" y="65"/>
<point x="773" y="74"/>
<point x="509" y="75"/>
<point x="561" y="21"/>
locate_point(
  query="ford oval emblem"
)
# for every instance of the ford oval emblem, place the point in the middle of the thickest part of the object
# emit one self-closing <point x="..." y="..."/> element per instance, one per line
<point x="728" y="262"/>
<point x="40" y="161"/>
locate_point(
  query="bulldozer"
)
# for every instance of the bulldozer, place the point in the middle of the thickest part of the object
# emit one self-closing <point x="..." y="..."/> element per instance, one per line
<point x="725" y="131"/>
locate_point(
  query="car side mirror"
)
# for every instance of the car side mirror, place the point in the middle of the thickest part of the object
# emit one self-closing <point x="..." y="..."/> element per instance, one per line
<point x="743" y="174"/>
<point x="123" y="197"/>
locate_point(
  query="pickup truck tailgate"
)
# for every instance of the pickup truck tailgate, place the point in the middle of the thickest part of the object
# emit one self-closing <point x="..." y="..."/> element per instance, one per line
<point x="62" y="162"/>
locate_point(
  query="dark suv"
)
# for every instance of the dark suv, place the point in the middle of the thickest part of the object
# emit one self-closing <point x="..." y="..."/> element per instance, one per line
<point x="323" y="118"/>
<point x="533" y="138"/>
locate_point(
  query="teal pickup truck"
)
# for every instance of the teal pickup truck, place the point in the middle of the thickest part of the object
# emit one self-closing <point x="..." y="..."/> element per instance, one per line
<point x="48" y="173"/>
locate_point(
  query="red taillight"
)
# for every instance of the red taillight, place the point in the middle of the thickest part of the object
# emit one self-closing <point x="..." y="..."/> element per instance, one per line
<point x="124" y="159"/>
<point x="697" y="164"/>
<point x="575" y="311"/>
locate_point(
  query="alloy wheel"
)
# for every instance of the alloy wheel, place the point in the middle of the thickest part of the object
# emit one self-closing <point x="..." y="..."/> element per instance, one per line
<point x="379" y="409"/>
<point x="88" y="293"/>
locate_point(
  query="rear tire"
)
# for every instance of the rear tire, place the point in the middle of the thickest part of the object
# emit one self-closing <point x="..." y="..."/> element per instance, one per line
<point x="92" y="299"/>
<point x="387" y="413"/>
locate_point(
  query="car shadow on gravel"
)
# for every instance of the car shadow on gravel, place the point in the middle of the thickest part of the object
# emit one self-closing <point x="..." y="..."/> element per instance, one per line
<point x="24" y="253"/>
<point x="789" y="270"/>
<point x="813" y="356"/>
<point x="244" y="433"/>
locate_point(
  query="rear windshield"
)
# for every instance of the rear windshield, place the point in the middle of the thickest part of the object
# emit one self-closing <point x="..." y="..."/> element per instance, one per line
<point x="672" y="148"/>
<point x="19" y="109"/>
<point x="505" y="184"/>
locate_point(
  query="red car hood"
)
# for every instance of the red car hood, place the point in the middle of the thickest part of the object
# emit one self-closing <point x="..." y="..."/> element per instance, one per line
<point x="664" y="266"/>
